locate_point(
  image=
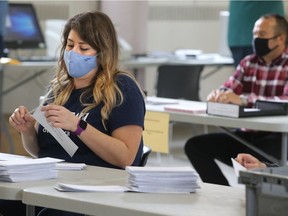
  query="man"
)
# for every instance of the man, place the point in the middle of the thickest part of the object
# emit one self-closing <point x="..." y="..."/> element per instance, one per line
<point x="243" y="15"/>
<point x="263" y="75"/>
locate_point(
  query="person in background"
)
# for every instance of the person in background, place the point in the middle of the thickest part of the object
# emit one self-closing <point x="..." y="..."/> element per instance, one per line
<point x="3" y="14"/>
<point x="243" y="15"/>
<point x="263" y="75"/>
<point x="100" y="107"/>
<point x="251" y="162"/>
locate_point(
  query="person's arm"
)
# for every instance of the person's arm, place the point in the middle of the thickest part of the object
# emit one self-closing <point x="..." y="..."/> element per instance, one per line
<point x="118" y="149"/>
<point x="23" y="122"/>
<point x="30" y="142"/>
<point x="277" y="84"/>
<point x="227" y="93"/>
<point x="249" y="161"/>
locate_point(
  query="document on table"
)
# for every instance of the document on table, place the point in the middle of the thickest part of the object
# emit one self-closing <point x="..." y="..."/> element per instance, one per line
<point x="8" y="157"/>
<point x="162" y="179"/>
<point x="188" y="107"/>
<point x="160" y="101"/>
<point x="28" y="169"/>
<point x="89" y="188"/>
<point x="70" y="166"/>
<point x="62" y="138"/>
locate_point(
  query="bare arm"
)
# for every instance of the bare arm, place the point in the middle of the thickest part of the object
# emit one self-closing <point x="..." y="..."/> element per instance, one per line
<point x="23" y="122"/>
<point x="224" y="97"/>
<point x="119" y="149"/>
<point x="249" y="161"/>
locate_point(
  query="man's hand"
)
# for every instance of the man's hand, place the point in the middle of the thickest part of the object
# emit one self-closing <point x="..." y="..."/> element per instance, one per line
<point x="224" y="97"/>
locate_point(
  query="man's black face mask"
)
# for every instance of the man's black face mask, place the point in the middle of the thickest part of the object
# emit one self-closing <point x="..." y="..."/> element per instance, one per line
<point x="260" y="46"/>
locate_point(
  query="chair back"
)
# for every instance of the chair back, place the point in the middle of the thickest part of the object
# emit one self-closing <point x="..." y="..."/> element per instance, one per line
<point x="179" y="81"/>
<point x="146" y="152"/>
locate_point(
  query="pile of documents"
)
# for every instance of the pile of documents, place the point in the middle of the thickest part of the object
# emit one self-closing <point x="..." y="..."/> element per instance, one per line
<point x="23" y="169"/>
<point x="162" y="179"/>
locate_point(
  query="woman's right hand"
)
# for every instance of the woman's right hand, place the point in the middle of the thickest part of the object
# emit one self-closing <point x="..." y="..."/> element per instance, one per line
<point x="22" y="120"/>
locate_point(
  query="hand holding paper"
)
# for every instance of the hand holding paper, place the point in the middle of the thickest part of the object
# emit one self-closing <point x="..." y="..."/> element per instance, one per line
<point x="237" y="167"/>
<point x="57" y="133"/>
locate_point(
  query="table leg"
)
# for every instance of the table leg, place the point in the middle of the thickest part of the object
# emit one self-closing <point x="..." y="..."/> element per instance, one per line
<point x="30" y="210"/>
<point x="284" y="149"/>
<point x="3" y="126"/>
<point x="251" y="201"/>
<point x="1" y="95"/>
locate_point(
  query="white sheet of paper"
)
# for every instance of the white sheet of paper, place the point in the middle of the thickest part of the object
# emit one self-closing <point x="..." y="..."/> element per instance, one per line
<point x="91" y="188"/>
<point x="62" y="138"/>
<point x="8" y="157"/>
<point x="237" y="167"/>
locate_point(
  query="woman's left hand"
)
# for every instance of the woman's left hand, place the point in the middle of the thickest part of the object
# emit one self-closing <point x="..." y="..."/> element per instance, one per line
<point x="60" y="117"/>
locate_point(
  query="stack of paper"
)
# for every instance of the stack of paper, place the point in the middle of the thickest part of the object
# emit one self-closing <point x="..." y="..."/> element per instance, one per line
<point x="6" y="156"/>
<point x="28" y="169"/>
<point x="70" y="166"/>
<point x="162" y="179"/>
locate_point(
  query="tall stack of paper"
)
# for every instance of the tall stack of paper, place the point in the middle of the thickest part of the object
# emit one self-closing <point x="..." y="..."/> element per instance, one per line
<point x="162" y="179"/>
<point x="28" y="169"/>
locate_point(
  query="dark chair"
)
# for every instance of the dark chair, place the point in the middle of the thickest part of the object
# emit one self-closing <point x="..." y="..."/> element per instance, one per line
<point x="179" y="81"/>
<point x="146" y="152"/>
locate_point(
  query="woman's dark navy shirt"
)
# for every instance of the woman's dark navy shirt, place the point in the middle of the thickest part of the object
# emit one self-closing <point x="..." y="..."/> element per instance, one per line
<point x="130" y="112"/>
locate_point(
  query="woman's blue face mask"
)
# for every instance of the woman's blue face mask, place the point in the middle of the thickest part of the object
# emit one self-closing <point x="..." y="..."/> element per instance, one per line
<point x="79" y="65"/>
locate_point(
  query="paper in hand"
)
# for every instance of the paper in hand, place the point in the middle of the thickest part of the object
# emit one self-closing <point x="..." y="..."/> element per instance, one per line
<point x="62" y="138"/>
<point x="237" y="167"/>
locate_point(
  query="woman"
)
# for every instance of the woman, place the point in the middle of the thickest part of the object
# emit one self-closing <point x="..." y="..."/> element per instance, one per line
<point x="98" y="106"/>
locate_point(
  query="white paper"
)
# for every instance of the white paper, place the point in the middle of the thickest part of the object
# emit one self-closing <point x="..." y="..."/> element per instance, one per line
<point x="162" y="179"/>
<point x="28" y="169"/>
<point x="89" y="188"/>
<point x="229" y="174"/>
<point x="70" y="166"/>
<point x="237" y="167"/>
<point x="62" y="138"/>
<point x="45" y="160"/>
<point x="6" y="157"/>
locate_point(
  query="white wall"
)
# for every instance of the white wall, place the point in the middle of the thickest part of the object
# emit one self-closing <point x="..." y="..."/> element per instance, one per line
<point x="130" y="19"/>
<point x="188" y="25"/>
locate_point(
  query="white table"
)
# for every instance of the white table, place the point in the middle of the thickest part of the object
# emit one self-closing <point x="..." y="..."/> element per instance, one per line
<point x="208" y="200"/>
<point x="138" y="64"/>
<point x="14" y="191"/>
<point x="212" y="59"/>
<point x="265" y="123"/>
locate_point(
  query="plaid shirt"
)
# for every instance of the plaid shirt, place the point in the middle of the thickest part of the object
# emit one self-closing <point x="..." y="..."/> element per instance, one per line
<point x="255" y="79"/>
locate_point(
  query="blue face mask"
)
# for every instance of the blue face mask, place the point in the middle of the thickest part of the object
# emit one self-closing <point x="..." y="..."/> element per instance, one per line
<point x="79" y="65"/>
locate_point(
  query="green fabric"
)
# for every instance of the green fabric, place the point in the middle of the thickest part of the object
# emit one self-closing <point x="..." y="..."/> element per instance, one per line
<point x="243" y="14"/>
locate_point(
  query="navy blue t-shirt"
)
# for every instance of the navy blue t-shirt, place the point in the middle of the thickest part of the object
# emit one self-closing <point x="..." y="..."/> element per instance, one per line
<point x="130" y="112"/>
